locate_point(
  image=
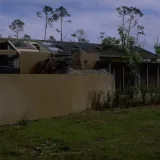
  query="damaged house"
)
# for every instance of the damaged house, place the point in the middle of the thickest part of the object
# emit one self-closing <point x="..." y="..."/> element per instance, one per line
<point x="23" y="56"/>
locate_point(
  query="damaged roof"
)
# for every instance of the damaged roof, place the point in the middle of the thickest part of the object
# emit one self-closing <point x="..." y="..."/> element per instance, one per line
<point x="66" y="48"/>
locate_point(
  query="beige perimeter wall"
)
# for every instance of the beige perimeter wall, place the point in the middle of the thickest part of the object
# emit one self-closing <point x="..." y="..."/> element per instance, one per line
<point x="44" y="96"/>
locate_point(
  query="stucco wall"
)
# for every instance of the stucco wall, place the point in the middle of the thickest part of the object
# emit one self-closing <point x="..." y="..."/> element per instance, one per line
<point x="29" y="59"/>
<point x="44" y="96"/>
<point x="90" y="58"/>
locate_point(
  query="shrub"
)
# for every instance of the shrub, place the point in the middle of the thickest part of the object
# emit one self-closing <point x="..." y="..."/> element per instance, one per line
<point x="24" y="120"/>
<point x="157" y="95"/>
<point x="108" y="103"/>
<point x="128" y="97"/>
<point x="96" y="100"/>
<point x="144" y="90"/>
<point x="152" y="94"/>
<point x="117" y="98"/>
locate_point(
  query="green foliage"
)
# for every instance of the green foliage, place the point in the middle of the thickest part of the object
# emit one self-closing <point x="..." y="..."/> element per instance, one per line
<point x="26" y="36"/>
<point x="24" y="120"/>
<point x="128" y="99"/>
<point x="130" y="96"/>
<point x="96" y="100"/>
<point x="51" y="38"/>
<point x="110" y="42"/>
<point x="128" y="11"/>
<point x="80" y="35"/>
<point x="126" y="42"/>
<point x="102" y="36"/>
<point x="129" y="16"/>
<point x="133" y="60"/>
<point x="17" y="26"/>
<point x="144" y="91"/>
<point x="108" y="102"/>
<point x="140" y="30"/>
<point x="62" y="13"/>
<point x="157" y="49"/>
<point x="49" y="16"/>
<point x="117" y="98"/>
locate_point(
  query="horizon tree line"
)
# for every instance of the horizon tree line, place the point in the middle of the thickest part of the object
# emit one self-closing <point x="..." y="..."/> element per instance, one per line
<point x="129" y="21"/>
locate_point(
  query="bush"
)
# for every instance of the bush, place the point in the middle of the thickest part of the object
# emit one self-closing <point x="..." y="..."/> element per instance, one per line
<point x="144" y="91"/>
<point x="116" y="99"/>
<point x="128" y="97"/>
<point x="157" y="94"/>
<point x="96" y="100"/>
<point x="108" y="103"/>
<point x="24" y="120"/>
<point x="152" y="94"/>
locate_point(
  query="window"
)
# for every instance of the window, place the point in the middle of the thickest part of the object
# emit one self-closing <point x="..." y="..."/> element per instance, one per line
<point x="46" y="43"/>
<point x="37" y="46"/>
<point x="53" y="47"/>
<point x="20" y="44"/>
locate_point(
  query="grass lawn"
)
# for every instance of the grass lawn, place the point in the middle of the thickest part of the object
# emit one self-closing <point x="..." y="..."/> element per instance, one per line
<point x="128" y="134"/>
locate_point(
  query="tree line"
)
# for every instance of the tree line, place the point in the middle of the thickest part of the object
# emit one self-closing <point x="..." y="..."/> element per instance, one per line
<point x="129" y="22"/>
<point x="128" y="15"/>
<point x="49" y="16"/>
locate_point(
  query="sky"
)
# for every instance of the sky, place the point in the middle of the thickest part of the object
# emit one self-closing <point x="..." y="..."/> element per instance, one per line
<point x="94" y="16"/>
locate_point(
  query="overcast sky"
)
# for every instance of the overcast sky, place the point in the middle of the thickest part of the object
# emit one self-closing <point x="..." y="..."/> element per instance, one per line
<point x="93" y="16"/>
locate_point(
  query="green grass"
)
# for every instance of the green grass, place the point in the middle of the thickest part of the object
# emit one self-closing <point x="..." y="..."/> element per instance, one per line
<point x="128" y="134"/>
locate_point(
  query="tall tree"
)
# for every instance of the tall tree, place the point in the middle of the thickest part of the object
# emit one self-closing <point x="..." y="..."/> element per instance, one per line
<point x="62" y="13"/>
<point x="140" y="31"/>
<point x="51" y="38"/>
<point x="49" y="17"/>
<point x="102" y="36"/>
<point x="157" y="47"/>
<point x="129" y="17"/>
<point x="17" y="26"/>
<point x="63" y="36"/>
<point x="26" y="36"/>
<point x="80" y="36"/>
<point x="110" y="42"/>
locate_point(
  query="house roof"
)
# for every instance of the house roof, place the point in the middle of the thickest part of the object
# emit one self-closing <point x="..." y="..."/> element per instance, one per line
<point x="66" y="48"/>
<point x="25" y="45"/>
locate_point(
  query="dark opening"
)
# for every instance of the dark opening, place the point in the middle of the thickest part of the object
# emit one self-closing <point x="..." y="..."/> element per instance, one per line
<point x="4" y="61"/>
<point x="37" y="46"/>
<point x="3" y="46"/>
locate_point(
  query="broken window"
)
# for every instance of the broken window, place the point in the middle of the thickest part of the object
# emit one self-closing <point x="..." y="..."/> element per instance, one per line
<point x="20" y="44"/>
<point x="53" y="47"/>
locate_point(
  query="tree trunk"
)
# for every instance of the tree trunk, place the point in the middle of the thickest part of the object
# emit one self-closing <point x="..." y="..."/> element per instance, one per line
<point x="128" y="34"/>
<point x="46" y="27"/>
<point x="137" y="39"/>
<point x="123" y="30"/>
<point x="61" y="29"/>
<point x="17" y="34"/>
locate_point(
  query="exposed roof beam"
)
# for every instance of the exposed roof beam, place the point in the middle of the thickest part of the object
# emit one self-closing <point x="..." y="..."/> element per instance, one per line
<point x="13" y="47"/>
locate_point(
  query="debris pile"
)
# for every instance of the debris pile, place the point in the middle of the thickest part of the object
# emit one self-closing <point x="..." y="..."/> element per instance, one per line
<point x="74" y="64"/>
<point x="52" y="65"/>
<point x="87" y="72"/>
